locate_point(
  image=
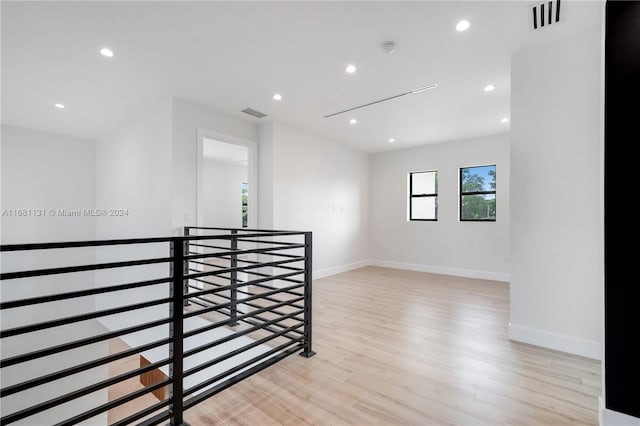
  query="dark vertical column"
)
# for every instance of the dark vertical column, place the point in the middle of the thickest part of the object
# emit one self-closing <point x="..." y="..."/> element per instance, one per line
<point x="185" y="268"/>
<point x="621" y="176"/>
<point x="307" y="351"/>
<point x="176" y="331"/>
<point x="234" y="279"/>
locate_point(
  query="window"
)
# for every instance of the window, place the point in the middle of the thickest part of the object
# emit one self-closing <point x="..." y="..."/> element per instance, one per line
<point x="478" y="193"/>
<point x="245" y="204"/>
<point x="423" y="195"/>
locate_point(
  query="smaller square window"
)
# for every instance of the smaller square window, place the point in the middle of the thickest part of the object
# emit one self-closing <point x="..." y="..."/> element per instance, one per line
<point x="423" y="195"/>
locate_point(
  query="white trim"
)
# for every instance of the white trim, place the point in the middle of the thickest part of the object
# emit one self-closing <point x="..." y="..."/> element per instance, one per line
<point x="615" y="418"/>
<point x="444" y="270"/>
<point x="321" y="273"/>
<point x="252" y="169"/>
<point x="560" y="342"/>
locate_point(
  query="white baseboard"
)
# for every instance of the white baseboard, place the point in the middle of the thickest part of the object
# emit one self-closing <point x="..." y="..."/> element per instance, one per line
<point x="614" y="418"/>
<point x="321" y="273"/>
<point x="560" y="342"/>
<point x="444" y="270"/>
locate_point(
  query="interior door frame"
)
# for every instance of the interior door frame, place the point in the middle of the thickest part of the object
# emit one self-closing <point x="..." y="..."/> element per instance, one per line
<point x="252" y="173"/>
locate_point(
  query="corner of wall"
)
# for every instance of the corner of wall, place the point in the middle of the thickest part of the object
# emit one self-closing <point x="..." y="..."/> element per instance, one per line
<point x="560" y="342"/>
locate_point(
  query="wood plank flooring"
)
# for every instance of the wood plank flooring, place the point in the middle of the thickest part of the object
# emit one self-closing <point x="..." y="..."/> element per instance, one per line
<point x="408" y="348"/>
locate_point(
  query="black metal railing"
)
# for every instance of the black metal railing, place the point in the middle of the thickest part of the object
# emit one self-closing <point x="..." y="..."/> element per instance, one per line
<point x="198" y="313"/>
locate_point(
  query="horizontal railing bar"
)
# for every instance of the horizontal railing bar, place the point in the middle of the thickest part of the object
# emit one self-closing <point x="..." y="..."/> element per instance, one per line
<point x="229" y="321"/>
<point x="253" y="305"/>
<point x="244" y="268"/>
<point x="257" y="283"/>
<point x="235" y="369"/>
<point x="220" y="305"/>
<point x="284" y="243"/>
<point x="243" y="318"/>
<point x="240" y="350"/>
<point x="251" y="322"/>
<point x="265" y="231"/>
<point x="253" y="262"/>
<point x="197" y="301"/>
<point x="112" y="404"/>
<point x="250" y="262"/>
<point x="19" y="387"/>
<point x="221" y="289"/>
<point x="246" y="283"/>
<point x="239" y="334"/>
<point x="158" y="418"/>
<point x="92" y="267"/>
<point x="197" y="399"/>
<point x="207" y="246"/>
<point x="77" y="244"/>
<point x="145" y="412"/>
<point x="81" y="342"/>
<point x="245" y="240"/>
<point x="238" y="252"/>
<point x="86" y="390"/>
<point x="77" y="318"/>
<point x="80" y="293"/>
<point x="199" y="262"/>
<point x="255" y="233"/>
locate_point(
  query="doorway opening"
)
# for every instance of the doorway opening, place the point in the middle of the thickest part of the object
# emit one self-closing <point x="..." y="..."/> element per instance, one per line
<point x="227" y="182"/>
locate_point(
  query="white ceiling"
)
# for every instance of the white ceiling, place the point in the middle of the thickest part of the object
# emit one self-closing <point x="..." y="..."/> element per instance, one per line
<point x="234" y="55"/>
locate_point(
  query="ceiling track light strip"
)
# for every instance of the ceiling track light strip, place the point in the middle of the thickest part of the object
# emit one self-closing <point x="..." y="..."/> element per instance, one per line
<point x="421" y="89"/>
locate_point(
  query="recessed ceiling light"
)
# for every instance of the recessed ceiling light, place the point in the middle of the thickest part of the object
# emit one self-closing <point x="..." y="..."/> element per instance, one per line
<point x="489" y="88"/>
<point x="350" y="69"/>
<point x="277" y="97"/>
<point x="463" y="25"/>
<point x="353" y="121"/>
<point x="59" y="106"/>
<point x="392" y="140"/>
<point x="504" y="120"/>
<point x="105" y="51"/>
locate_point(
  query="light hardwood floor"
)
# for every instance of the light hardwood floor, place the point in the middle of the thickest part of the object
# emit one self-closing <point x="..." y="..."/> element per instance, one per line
<point x="408" y="348"/>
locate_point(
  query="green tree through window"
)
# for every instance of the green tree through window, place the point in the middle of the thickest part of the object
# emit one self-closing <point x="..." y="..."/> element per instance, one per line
<point x="245" y="204"/>
<point x="478" y="193"/>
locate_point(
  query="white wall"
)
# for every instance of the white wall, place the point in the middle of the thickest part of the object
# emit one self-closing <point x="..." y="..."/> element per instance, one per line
<point x="320" y="186"/>
<point x="46" y="171"/>
<point x="556" y="228"/>
<point x="134" y="172"/>
<point x="265" y="175"/>
<point x="222" y="193"/>
<point x="446" y="246"/>
<point x="45" y="174"/>
<point x="187" y="118"/>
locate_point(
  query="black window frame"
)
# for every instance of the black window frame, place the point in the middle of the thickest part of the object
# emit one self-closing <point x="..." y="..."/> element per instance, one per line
<point x="463" y="194"/>
<point x="412" y="196"/>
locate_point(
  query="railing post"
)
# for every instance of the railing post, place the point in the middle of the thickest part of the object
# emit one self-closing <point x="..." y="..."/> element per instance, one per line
<point x="176" y="331"/>
<point x="307" y="351"/>
<point x="185" y="269"/>
<point x="234" y="279"/>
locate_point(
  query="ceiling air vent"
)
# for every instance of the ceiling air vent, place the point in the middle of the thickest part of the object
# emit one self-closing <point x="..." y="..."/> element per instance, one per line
<point x="253" y="112"/>
<point x="544" y="13"/>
